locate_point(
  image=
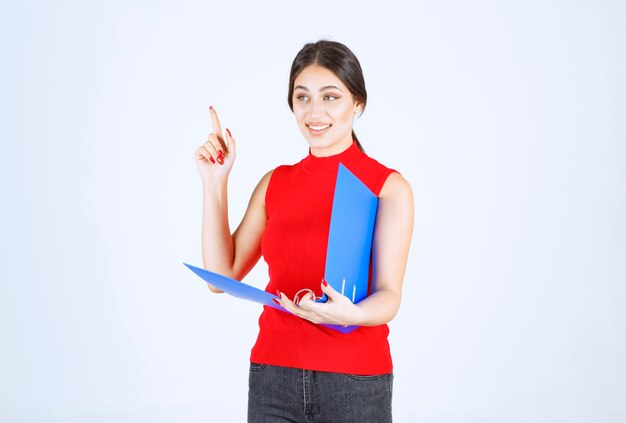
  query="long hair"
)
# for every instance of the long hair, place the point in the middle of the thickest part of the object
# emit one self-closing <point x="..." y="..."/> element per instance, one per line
<point x="338" y="59"/>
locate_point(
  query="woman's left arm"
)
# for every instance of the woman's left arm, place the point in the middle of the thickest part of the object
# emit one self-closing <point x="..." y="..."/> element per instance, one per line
<point x="390" y="250"/>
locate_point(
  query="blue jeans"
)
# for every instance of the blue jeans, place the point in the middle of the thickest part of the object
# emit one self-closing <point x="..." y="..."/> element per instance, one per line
<point x="284" y="394"/>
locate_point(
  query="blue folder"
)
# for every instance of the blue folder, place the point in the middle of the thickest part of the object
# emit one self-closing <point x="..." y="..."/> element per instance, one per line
<point x="350" y="238"/>
<point x="247" y="292"/>
<point x="348" y="253"/>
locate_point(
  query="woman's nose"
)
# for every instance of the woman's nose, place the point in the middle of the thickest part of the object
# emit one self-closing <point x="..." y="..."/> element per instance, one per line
<point x="317" y="108"/>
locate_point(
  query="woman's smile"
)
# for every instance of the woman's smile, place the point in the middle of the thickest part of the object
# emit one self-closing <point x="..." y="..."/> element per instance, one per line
<point x="318" y="129"/>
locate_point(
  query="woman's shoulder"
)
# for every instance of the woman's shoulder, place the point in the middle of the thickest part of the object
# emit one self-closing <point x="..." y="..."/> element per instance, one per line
<point x="396" y="187"/>
<point x="373" y="173"/>
<point x="282" y="171"/>
<point x="277" y="171"/>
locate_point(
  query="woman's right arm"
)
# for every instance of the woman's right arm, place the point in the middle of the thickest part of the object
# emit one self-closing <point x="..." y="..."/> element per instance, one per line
<point x="232" y="255"/>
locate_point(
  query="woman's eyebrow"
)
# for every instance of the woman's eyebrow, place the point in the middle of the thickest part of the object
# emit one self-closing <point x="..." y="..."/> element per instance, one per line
<point x="321" y="89"/>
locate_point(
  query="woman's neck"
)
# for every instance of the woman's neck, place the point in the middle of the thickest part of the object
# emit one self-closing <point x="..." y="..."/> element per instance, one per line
<point x="333" y="149"/>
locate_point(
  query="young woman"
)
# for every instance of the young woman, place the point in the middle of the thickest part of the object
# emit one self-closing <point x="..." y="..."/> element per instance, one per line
<point x="301" y="371"/>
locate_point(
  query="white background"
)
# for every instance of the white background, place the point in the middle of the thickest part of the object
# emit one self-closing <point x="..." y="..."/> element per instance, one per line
<point x="507" y="118"/>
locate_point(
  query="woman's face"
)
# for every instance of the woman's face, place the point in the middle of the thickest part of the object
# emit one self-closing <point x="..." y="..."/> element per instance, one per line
<point x="324" y="109"/>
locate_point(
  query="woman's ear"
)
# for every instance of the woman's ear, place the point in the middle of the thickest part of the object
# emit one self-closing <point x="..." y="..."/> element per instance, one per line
<point x="358" y="109"/>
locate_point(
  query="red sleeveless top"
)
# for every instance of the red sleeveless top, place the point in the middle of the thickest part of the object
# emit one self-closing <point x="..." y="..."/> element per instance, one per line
<point x="298" y="203"/>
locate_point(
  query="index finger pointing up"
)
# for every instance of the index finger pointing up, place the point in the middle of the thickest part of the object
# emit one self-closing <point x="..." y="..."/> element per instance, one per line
<point x="215" y="122"/>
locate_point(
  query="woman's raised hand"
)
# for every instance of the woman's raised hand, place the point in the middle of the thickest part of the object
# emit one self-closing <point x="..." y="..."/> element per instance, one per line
<point x="216" y="156"/>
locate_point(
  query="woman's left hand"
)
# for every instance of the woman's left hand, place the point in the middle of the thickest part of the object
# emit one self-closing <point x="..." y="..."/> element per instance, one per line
<point x="337" y="310"/>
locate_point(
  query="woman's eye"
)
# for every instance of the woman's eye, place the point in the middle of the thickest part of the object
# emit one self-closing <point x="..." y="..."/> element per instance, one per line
<point x="331" y="97"/>
<point x="302" y="97"/>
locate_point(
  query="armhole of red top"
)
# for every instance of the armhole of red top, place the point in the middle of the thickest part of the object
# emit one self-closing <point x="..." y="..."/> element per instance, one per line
<point x="381" y="184"/>
<point x="383" y="179"/>
<point x="269" y="189"/>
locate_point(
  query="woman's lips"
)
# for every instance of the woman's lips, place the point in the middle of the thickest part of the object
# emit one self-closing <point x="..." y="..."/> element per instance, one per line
<point x="318" y="129"/>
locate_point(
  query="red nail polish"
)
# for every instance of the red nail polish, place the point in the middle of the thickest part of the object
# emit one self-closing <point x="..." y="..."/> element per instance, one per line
<point x="210" y="107"/>
<point x="278" y="293"/>
<point x="276" y="301"/>
<point x="324" y="282"/>
<point x="229" y="134"/>
<point x="220" y="160"/>
<point x="212" y="159"/>
<point x="220" y="154"/>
